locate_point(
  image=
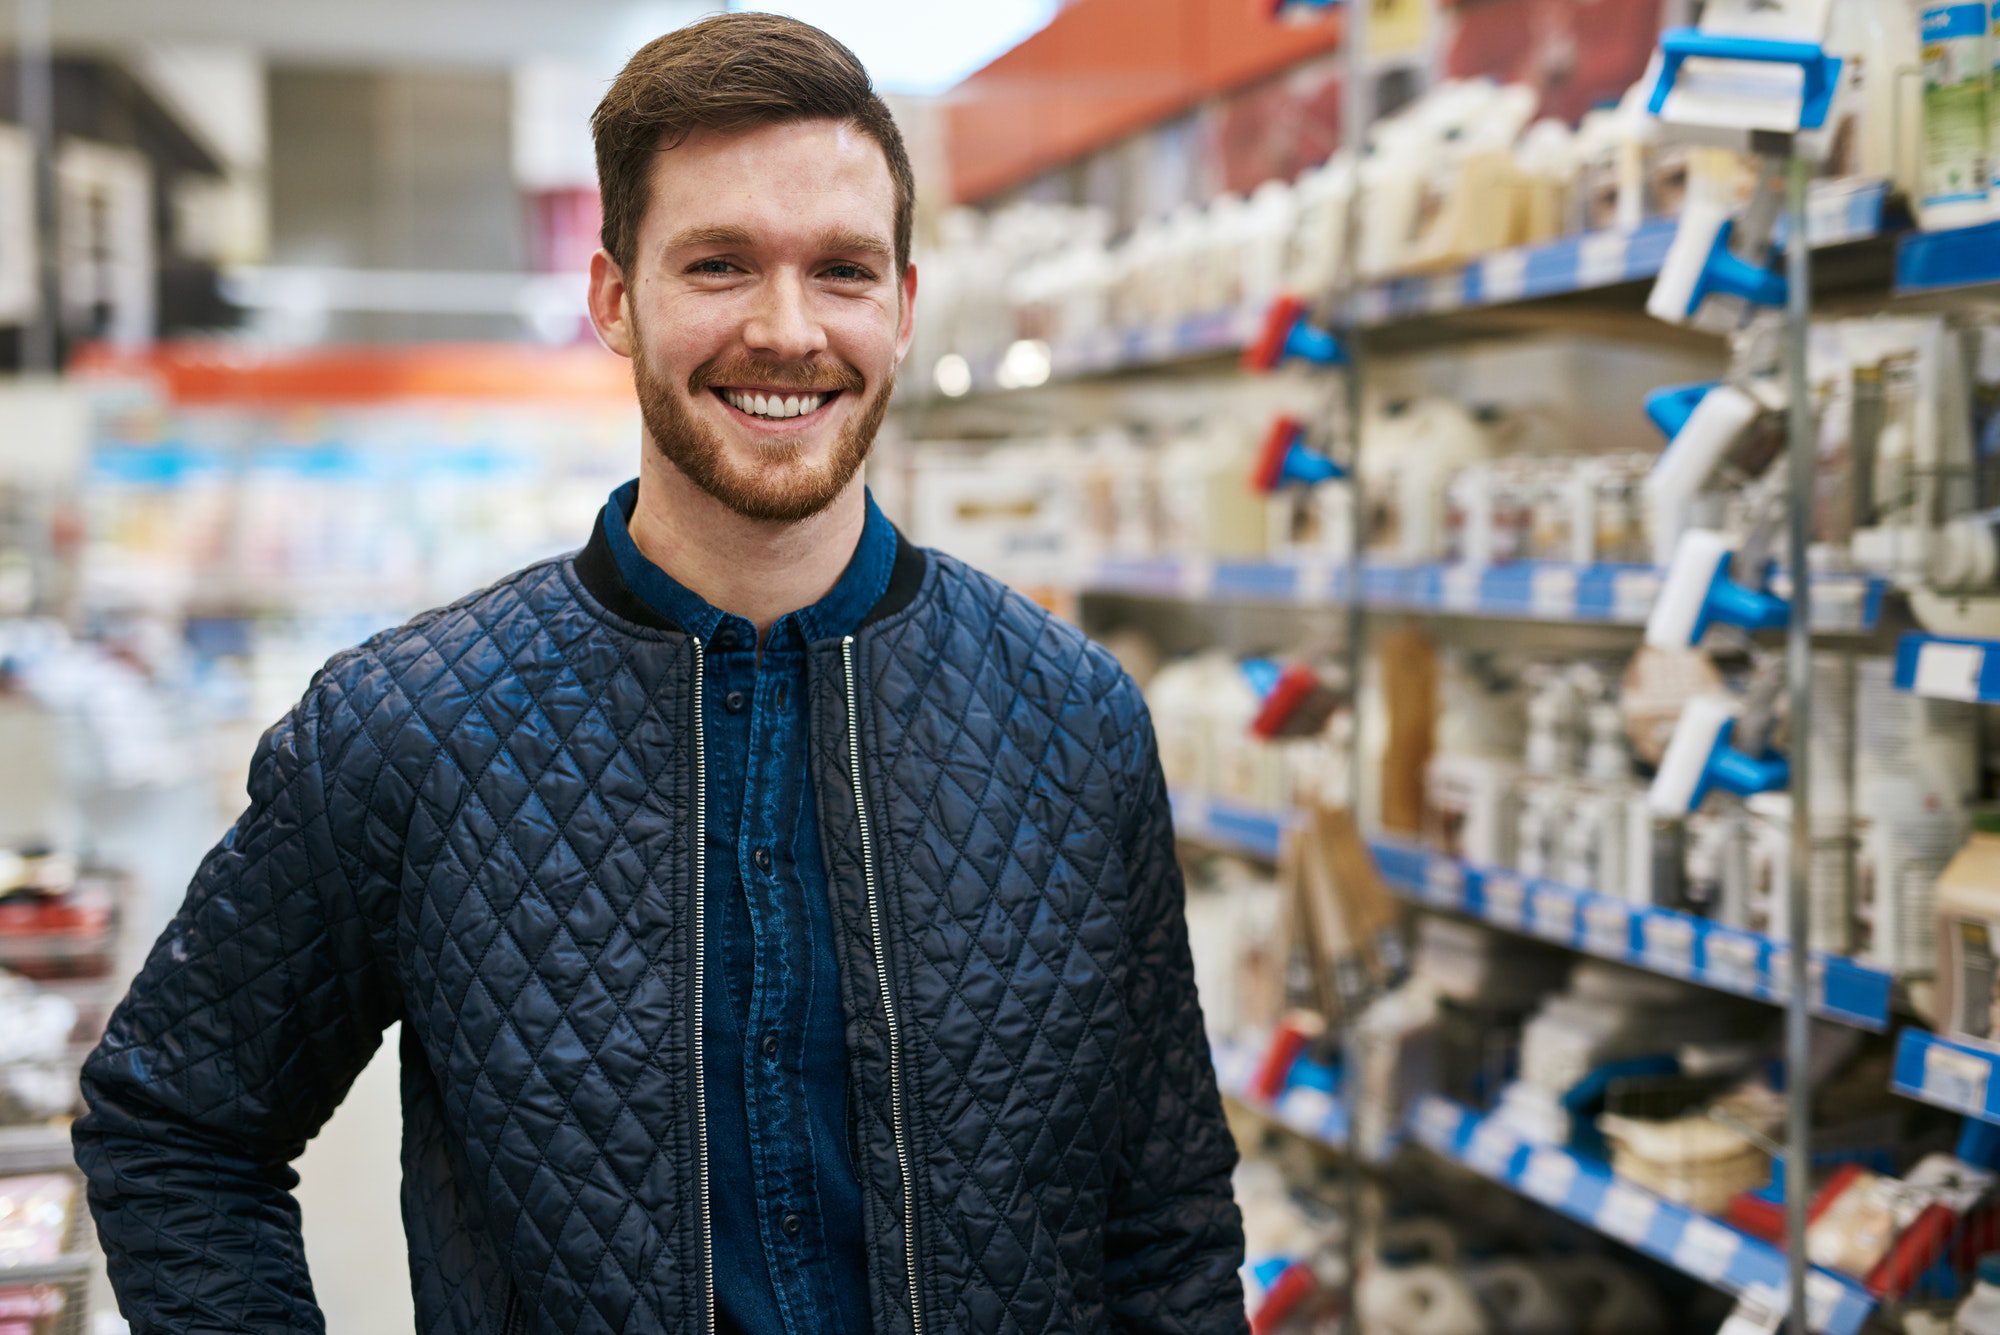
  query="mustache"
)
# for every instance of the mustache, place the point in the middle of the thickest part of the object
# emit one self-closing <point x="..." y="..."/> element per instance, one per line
<point x="814" y="377"/>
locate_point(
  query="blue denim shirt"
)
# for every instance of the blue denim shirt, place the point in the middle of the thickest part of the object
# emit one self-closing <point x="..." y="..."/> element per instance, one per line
<point x="784" y="1200"/>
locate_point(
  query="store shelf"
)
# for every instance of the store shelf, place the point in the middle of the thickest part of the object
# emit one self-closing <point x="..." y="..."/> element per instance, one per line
<point x="1949" y="669"/>
<point x="1587" y="1191"/>
<point x="1551" y="591"/>
<point x="1954" y="1075"/>
<point x="1837" y="213"/>
<point x="1315" y="1114"/>
<point x="1942" y="261"/>
<point x="1229" y="827"/>
<point x="1115" y="351"/>
<point x="1657" y="940"/>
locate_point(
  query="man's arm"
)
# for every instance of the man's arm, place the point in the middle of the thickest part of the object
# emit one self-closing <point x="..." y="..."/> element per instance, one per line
<point x="1174" y="1240"/>
<point x="257" y="1007"/>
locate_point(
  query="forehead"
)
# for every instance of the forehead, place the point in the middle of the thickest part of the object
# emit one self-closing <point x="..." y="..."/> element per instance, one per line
<point x="795" y="178"/>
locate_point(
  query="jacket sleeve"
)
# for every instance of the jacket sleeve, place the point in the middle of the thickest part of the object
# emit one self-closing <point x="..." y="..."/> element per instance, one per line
<point x="254" y="1012"/>
<point x="1174" y="1239"/>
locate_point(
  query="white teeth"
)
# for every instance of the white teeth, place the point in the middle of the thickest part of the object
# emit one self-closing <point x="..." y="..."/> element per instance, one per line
<point x="775" y="406"/>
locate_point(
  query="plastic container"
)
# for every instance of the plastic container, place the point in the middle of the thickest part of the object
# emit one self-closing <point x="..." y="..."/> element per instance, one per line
<point x="1968" y="937"/>
<point x="1420" y="1300"/>
<point x="1957" y="67"/>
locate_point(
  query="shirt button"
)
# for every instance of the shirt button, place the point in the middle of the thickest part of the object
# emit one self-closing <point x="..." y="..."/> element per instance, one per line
<point x="791" y="1223"/>
<point x="762" y="857"/>
<point x="733" y="702"/>
<point x="771" y="1046"/>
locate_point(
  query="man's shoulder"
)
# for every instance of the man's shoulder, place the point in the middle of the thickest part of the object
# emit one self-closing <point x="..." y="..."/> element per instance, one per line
<point x="1040" y="651"/>
<point x="463" y="644"/>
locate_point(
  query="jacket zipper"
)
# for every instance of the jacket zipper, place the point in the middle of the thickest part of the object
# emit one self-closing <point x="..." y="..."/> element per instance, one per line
<point x="700" y="981"/>
<point x="888" y="997"/>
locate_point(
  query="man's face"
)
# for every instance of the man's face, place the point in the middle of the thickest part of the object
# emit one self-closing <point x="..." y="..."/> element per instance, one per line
<point x="763" y="312"/>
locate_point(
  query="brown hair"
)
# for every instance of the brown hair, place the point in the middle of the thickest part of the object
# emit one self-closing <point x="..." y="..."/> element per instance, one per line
<point x="731" y="72"/>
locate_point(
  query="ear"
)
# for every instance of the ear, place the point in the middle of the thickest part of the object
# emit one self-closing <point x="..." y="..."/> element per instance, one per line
<point x="908" y="325"/>
<point x="610" y="307"/>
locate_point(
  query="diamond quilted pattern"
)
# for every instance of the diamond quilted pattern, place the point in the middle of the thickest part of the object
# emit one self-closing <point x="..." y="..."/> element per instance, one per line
<point x="480" y="824"/>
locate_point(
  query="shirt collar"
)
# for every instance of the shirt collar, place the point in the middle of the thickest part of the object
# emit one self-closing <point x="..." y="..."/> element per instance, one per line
<point x="841" y="612"/>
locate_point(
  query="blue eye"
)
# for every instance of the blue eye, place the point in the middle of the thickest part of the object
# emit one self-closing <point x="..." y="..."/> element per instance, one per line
<point x="852" y="273"/>
<point x="713" y="267"/>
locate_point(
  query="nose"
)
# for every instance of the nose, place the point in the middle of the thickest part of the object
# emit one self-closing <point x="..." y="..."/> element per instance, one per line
<point x="782" y="324"/>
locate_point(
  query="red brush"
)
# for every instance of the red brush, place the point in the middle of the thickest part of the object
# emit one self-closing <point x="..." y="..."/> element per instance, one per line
<point x="1268" y="348"/>
<point x="1298" y="706"/>
<point x="1294" y="1285"/>
<point x="1285" y="433"/>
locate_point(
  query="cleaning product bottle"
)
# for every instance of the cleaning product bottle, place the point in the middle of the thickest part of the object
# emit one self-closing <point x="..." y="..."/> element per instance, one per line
<point x="1957" y="130"/>
<point x="1968" y="937"/>
<point x="1979" y="1314"/>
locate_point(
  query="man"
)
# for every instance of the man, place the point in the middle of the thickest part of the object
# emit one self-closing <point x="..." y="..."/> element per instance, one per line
<point x="782" y="919"/>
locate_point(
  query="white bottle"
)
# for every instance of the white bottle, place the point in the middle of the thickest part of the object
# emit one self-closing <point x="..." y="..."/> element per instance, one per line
<point x="1957" y="128"/>
<point x="1980" y="1312"/>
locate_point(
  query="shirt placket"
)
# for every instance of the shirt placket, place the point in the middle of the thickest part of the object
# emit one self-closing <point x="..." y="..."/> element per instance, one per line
<point x="781" y="1136"/>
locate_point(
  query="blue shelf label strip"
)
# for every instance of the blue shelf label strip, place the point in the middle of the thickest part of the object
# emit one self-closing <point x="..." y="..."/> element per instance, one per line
<point x="1950" y="1074"/>
<point x="1588" y="1192"/>
<point x="1929" y="261"/>
<point x="1949" y="668"/>
<point x="1657" y="940"/>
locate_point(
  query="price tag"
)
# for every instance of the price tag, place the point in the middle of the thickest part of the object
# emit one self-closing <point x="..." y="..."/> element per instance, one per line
<point x="1312" y="581"/>
<point x="1552" y="592"/>
<point x="1554" y="914"/>
<point x="1607" y="928"/>
<point x="1956" y="1079"/>
<point x="1445" y="292"/>
<point x="1506" y="899"/>
<point x="1549" y="1176"/>
<point x="1824" y="1297"/>
<point x="1633" y="593"/>
<point x="1197" y="577"/>
<point x="1444" y="883"/>
<point x="1492" y="1149"/>
<point x="1306" y="1110"/>
<point x="1504" y="276"/>
<point x="1759" y="1315"/>
<point x="1627" y="1213"/>
<point x="1949" y="671"/>
<point x="1437" y="1124"/>
<point x="1461" y="587"/>
<point x="1669" y="945"/>
<point x="1705" y="1249"/>
<point x="1600" y="259"/>
<point x="1732" y="963"/>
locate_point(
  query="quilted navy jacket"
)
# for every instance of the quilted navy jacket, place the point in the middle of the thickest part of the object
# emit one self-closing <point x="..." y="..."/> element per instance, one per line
<point x="485" y="825"/>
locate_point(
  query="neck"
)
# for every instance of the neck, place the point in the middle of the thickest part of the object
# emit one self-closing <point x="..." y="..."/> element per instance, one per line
<point x="757" y="569"/>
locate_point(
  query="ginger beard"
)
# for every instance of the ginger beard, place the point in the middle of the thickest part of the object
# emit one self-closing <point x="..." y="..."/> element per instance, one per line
<point x="780" y="487"/>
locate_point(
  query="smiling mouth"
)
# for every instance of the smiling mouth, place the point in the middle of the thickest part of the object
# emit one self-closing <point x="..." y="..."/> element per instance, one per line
<point x="768" y="406"/>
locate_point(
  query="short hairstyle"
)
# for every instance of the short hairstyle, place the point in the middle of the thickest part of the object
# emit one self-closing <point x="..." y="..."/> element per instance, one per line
<point x="731" y="72"/>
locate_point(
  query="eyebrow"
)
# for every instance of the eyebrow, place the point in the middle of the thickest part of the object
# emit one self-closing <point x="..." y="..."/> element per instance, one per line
<point x="833" y="241"/>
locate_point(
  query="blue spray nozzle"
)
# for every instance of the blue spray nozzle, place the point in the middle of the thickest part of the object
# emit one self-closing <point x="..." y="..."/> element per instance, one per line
<point x="1727" y="272"/>
<point x="1287" y="459"/>
<point x="1262" y="674"/>
<point x="1288" y="334"/>
<point x="1265" y="1272"/>
<point x="1739" y="772"/>
<point x="1735" y="604"/>
<point x="1671" y="406"/>
<point x="1821" y="71"/>
<point x="1309" y="343"/>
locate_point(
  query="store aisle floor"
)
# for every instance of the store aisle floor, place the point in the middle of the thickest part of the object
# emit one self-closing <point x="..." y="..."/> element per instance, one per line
<point x="348" y="1181"/>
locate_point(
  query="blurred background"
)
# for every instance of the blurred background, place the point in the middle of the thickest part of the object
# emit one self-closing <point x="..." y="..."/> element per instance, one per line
<point x="293" y="346"/>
